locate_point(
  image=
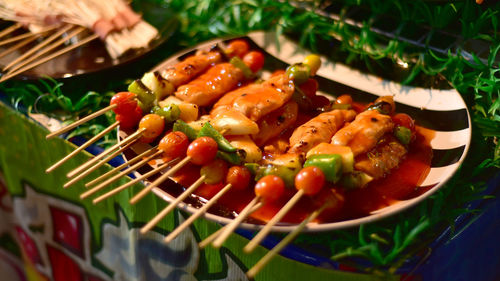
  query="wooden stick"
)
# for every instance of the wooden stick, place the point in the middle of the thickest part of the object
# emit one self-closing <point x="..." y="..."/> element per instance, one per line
<point x="159" y="180"/>
<point x="19" y="37"/>
<point x="133" y="137"/>
<point x="10" y="29"/>
<point x="19" y="45"/>
<point x="83" y="146"/>
<point x="39" y="46"/>
<point x="46" y="50"/>
<point x="119" y="175"/>
<point x="93" y="168"/>
<point x="262" y="262"/>
<point x="229" y="228"/>
<point x="47" y="58"/>
<point x="116" y="169"/>
<point x="81" y="121"/>
<point x="216" y="234"/>
<point x="197" y="214"/>
<point x="172" y="205"/>
<point x="132" y="182"/>
<point x="277" y="217"/>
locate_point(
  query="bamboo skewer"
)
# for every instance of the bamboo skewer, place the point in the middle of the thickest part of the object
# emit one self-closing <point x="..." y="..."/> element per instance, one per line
<point x="51" y="56"/>
<point x="128" y="163"/>
<point x="264" y="260"/>
<point x="133" y="137"/>
<point x="277" y="217"/>
<point x="46" y="50"/>
<point x="93" y="168"/>
<point x="19" y="45"/>
<point x="10" y="29"/>
<point x="81" y="121"/>
<point x="216" y="234"/>
<point x="172" y="205"/>
<point x="159" y="180"/>
<point x="197" y="214"/>
<point x="83" y="146"/>
<point x="229" y="228"/>
<point x="132" y="182"/>
<point x="39" y="46"/>
<point x="25" y="35"/>
<point x="119" y="175"/>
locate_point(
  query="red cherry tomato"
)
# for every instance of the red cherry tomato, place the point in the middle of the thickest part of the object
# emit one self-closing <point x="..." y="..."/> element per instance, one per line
<point x="202" y="150"/>
<point x="129" y="120"/>
<point x="238" y="177"/>
<point x="310" y="179"/>
<point x="344" y="99"/>
<point x="237" y="48"/>
<point x="404" y="120"/>
<point x="214" y="171"/>
<point x="254" y="60"/>
<point x="154" y="125"/>
<point x="309" y="87"/>
<point x="174" y="144"/>
<point x="125" y="102"/>
<point x="270" y="188"/>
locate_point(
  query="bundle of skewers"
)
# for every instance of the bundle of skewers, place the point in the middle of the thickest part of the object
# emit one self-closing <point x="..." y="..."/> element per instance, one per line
<point x="57" y="23"/>
<point x="213" y="126"/>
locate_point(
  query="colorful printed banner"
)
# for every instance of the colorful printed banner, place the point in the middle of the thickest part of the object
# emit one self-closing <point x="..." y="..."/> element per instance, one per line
<point x="48" y="233"/>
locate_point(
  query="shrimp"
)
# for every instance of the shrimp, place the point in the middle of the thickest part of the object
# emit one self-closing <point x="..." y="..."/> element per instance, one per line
<point x="257" y="100"/>
<point x="364" y="132"/>
<point x="211" y="85"/>
<point x="276" y="122"/>
<point x="319" y="129"/>
<point x="189" y="68"/>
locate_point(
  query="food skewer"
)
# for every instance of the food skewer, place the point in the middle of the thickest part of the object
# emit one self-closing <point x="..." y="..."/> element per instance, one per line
<point x="197" y="214"/>
<point x="39" y="46"/>
<point x="283" y="243"/>
<point x="93" y="168"/>
<point x="132" y="138"/>
<point x="132" y="182"/>
<point x="49" y="57"/>
<point x="118" y="168"/>
<point x="19" y="45"/>
<point x="172" y="205"/>
<point x="119" y="175"/>
<point x="26" y="35"/>
<point x="10" y="29"/>
<point x="216" y="234"/>
<point x="83" y="146"/>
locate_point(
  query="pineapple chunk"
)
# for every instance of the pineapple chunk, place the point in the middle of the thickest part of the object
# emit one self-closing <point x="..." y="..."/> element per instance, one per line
<point x="159" y="85"/>
<point x="234" y="123"/>
<point x="253" y="152"/>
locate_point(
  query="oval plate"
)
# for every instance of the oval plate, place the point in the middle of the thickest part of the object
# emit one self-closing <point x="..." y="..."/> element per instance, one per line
<point x="442" y="111"/>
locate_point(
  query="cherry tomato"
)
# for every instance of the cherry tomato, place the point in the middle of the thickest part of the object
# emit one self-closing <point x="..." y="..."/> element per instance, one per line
<point x="237" y="48"/>
<point x="270" y="188"/>
<point x="254" y="60"/>
<point x="154" y="125"/>
<point x="130" y="120"/>
<point x="309" y="87"/>
<point x="238" y="177"/>
<point x="174" y="144"/>
<point x="125" y="102"/>
<point x="202" y="150"/>
<point x="344" y="99"/>
<point x="404" y="120"/>
<point x="310" y="179"/>
<point x="214" y="171"/>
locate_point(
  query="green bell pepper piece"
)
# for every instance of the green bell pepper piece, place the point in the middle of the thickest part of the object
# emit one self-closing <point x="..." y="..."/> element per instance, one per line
<point x="230" y="157"/>
<point x="170" y="112"/>
<point x="403" y="134"/>
<point x="209" y="131"/>
<point x="287" y="174"/>
<point x="182" y="126"/>
<point x="237" y="62"/>
<point x="330" y="164"/>
<point x="146" y="97"/>
<point x="356" y="179"/>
